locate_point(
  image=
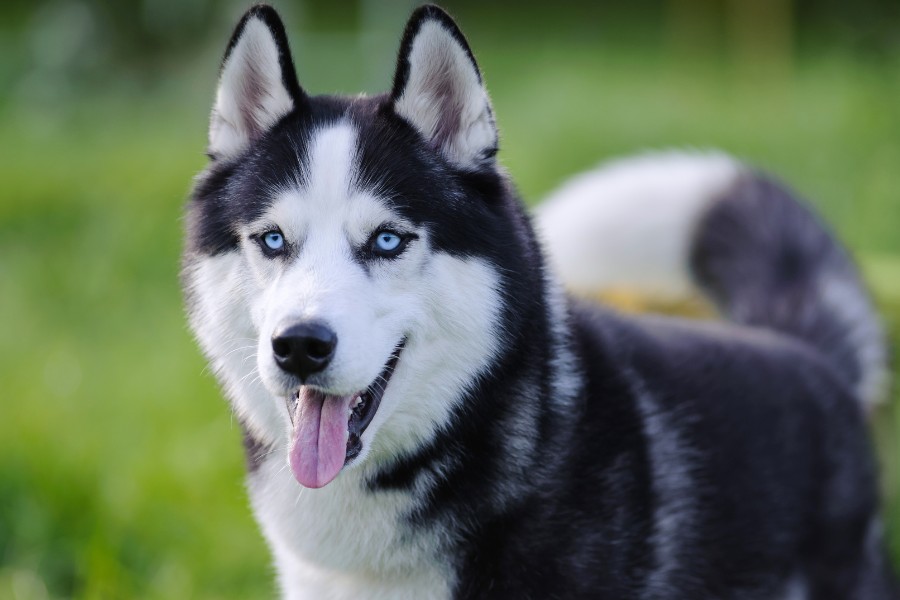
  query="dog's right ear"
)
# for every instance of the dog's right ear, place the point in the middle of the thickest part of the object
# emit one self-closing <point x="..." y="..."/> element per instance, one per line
<point x="438" y="90"/>
<point x="257" y="84"/>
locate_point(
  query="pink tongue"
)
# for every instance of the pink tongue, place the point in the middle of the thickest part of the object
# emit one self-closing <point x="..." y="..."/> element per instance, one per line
<point x="320" y="437"/>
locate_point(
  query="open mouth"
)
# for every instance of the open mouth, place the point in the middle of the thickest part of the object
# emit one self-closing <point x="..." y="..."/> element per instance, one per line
<point x="328" y="428"/>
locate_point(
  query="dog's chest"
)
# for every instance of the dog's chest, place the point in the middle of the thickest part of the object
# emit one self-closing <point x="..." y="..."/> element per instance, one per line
<point x="344" y="540"/>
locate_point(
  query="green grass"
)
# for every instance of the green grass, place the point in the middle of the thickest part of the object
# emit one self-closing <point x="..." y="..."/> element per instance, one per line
<point x="120" y="466"/>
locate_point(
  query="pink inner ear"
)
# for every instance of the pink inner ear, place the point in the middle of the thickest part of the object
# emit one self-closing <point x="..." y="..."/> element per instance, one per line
<point x="438" y="90"/>
<point x="252" y="94"/>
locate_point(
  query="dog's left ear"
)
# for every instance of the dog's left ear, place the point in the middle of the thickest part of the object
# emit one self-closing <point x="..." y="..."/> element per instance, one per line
<point x="438" y="90"/>
<point x="257" y="83"/>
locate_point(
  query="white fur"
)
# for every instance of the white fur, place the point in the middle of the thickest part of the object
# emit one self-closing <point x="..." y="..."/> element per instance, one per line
<point x="796" y="589"/>
<point x="628" y="224"/>
<point x="341" y="541"/>
<point x="444" y="84"/>
<point x="222" y="325"/>
<point x="568" y="378"/>
<point x="341" y="537"/>
<point x="674" y="484"/>
<point x="251" y="96"/>
<point x="850" y="305"/>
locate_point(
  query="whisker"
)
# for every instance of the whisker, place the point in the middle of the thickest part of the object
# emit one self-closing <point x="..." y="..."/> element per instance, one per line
<point x="255" y="371"/>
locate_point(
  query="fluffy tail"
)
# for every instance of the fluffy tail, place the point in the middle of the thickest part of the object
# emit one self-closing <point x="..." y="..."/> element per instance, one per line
<point x="669" y="224"/>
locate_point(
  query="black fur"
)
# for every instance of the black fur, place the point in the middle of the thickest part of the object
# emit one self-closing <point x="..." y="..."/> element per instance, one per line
<point x="766" y="260"/>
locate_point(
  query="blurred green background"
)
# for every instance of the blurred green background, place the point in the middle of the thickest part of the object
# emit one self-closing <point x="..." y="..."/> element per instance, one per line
<point x="121" y="470"/>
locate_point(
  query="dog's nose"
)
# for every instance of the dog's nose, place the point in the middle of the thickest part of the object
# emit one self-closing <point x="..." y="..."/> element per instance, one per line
<point x="304" y="348"/>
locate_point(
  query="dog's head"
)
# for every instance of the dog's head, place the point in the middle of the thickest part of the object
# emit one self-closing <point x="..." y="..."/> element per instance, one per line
<point x="343" y="266"/>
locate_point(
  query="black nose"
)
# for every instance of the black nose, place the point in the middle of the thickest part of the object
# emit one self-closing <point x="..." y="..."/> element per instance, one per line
<point x="304" y="348"/>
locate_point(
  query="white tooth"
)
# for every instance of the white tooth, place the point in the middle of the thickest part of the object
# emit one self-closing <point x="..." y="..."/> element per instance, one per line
<point x="357" y="402"/>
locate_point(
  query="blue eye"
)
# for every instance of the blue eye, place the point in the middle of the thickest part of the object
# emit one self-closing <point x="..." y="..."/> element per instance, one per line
<point x="273" y="240"/>
<point x="387" y="241"/>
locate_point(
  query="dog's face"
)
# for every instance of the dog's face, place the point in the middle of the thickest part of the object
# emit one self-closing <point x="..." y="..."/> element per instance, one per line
<point x="340" y="268"/>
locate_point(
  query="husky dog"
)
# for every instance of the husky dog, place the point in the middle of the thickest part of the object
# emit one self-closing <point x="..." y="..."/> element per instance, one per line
<point x="428" y="415"/>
